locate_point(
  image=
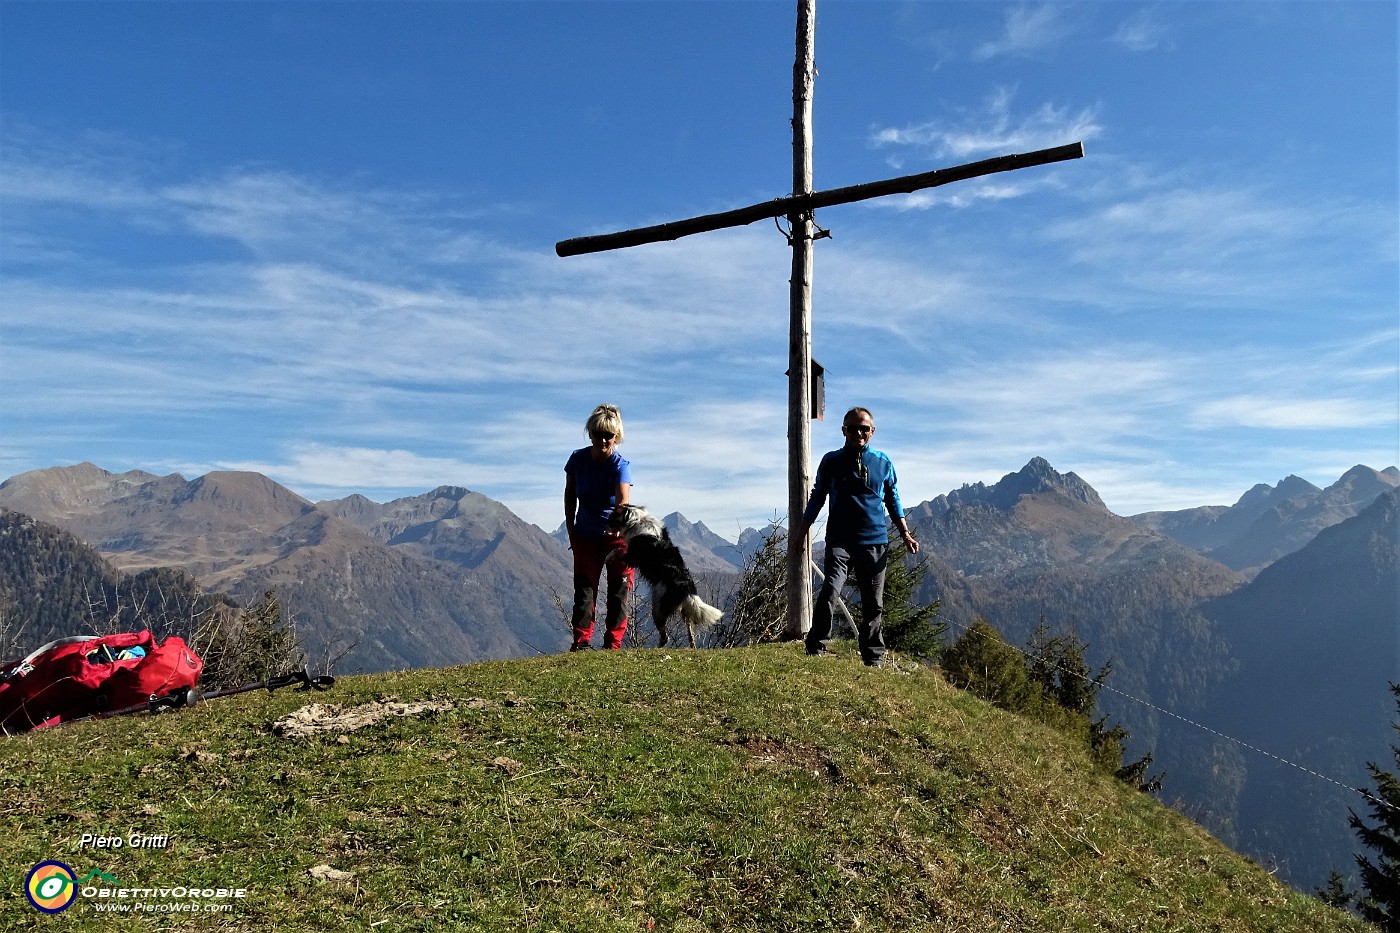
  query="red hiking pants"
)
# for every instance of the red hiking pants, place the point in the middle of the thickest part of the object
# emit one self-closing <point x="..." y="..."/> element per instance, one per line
<point x="590" y="556"/>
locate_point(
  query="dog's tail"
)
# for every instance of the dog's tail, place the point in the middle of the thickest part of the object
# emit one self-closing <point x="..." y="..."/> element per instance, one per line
<point x="699" y="613"/>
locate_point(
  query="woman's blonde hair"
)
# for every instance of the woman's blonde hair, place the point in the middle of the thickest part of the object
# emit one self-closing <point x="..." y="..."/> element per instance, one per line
<point x="605" y="418"/>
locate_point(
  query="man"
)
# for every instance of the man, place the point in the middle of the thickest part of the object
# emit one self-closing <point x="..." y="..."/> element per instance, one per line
<point x="861" y="485"/>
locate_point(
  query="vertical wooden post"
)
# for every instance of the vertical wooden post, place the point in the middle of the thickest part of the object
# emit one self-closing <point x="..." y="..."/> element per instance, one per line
<point x="799" y="577"/>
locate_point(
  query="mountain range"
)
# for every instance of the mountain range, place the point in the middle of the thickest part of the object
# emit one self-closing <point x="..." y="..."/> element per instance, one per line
<point x="1182" y="604"/>
<point x="1040" y="546"/>
<point x="1316" y="639"/>
<point x="438" y="579"/>
<point x="1269" y="522"/>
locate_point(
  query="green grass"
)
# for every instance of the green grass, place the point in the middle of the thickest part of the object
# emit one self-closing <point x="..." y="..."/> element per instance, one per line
<point x="751" y="789"/>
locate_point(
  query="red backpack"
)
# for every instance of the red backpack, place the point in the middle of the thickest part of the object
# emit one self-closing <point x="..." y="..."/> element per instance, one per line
<point x="80" y="676"/>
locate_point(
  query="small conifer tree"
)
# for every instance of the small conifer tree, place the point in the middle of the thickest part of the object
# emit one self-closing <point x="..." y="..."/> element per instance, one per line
<point x="1379" y="900"/>
<point x="1334" y="893"/>
<point x="1056" y="664"/>
<point x="980" y="661"/>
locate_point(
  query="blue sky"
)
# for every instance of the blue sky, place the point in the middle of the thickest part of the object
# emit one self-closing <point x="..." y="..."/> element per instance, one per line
<point x="316" y="240"/>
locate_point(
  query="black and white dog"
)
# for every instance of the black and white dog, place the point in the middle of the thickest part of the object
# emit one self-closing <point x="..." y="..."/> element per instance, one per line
<point x="656" y="557"/>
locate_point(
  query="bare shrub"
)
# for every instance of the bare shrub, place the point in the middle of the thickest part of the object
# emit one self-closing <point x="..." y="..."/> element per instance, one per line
<point x="247" y="645"/>
<point x="759" y="611"/>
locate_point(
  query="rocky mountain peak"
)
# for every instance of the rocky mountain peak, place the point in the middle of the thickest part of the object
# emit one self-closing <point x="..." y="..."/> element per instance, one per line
<point x="676" y="522"/>
<point x="70" y="490"/>
<point x="1256" y="498"/>
<point x="1361" y="484"/>
<point x="1036" y="477"/>
<point x="1270" y="521"/>
<point x="1290" y="487"/>
<point x="1039" y="476"/>
<point x="1263" y="496"/>
<point x="703" y="549"/>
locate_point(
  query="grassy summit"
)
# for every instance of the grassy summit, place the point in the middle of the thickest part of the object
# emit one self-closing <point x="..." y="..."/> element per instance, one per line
<point x="751" y="789"/>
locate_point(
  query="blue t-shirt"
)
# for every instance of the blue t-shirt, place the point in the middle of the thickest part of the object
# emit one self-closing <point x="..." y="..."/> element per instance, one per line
<point x="595" y="485"/>
<point x="863" y="489"/>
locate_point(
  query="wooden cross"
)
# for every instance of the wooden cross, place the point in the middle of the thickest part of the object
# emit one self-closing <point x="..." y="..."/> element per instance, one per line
<point x="800" y="208"/>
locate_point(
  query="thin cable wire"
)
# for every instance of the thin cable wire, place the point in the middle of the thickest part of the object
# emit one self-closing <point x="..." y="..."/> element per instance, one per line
<point x="1204" y="727"/>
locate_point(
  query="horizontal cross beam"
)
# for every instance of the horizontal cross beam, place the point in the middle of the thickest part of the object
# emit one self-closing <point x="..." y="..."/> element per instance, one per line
<point x="779" y="207"/>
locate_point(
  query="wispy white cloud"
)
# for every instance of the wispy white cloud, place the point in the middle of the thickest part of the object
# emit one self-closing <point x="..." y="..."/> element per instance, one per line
<point x="321" y="467"/>
<point x="1026" y="30"/>
<point x="272" y="211"/>
<point x="996" y="128"/>
<point x="966" y="195"/>
<point x="249" y="212"/>
<point x="1151" y="426"/>
<point x="95" y="171"/>
<point x="1143" y="31"/>
<point x="1046" y="400"/>
<point x="459" y="365"/>
<point x="1217" y="244"/>
<point x="1272" y="412"/>
<point x="429" y="351"/>
<point x="301" y="307"/>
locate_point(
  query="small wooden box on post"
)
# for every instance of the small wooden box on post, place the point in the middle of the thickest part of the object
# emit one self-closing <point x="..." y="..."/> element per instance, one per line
<point x="817" y="397"/>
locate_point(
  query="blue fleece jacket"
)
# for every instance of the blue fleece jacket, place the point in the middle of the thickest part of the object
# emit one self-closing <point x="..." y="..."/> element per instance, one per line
<point x="862" y="487"/>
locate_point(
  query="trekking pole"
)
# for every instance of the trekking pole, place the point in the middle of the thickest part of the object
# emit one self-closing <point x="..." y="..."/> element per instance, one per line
<point x="840" y="602"/>
<point x="186" y="697"/>
<point x="302" y="679"/>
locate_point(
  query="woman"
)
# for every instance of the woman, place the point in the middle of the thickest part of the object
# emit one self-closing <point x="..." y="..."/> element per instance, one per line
<point x="597" y="478"/>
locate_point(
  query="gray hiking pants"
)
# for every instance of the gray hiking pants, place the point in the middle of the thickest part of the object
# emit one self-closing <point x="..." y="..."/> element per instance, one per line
<point x="867" y="561"/>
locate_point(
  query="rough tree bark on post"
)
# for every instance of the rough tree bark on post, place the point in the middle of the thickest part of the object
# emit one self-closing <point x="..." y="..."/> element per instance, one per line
<point x="799" y="578"/>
